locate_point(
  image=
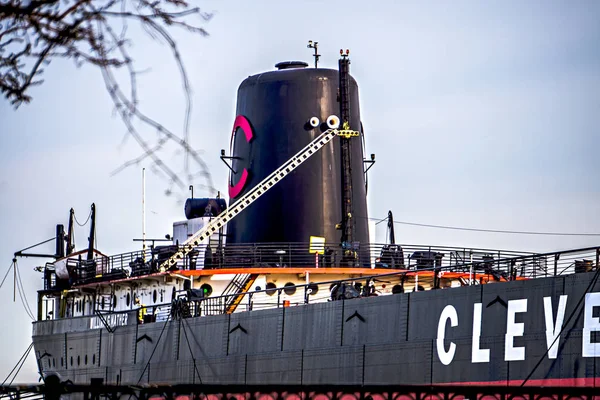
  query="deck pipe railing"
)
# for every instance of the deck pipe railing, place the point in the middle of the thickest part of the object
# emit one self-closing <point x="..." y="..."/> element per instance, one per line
<point x="509" y="264"/>
<point x="401" y="280"/>
<point x="519" y="267"/>
<point x="281" y="255"/>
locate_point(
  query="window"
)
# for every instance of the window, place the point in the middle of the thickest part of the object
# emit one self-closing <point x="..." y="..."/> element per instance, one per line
<point x="128" y="300"/>
<point x="289" y="288"/>
<point x="271" y="288"/>
<point x="396" y="289"/>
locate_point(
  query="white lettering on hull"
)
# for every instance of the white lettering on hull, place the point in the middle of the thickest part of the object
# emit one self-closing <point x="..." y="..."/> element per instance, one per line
<point x="514" y="329"/>
<point x="553" y="328"/>
<point x="590" y="324"/>
<point x="478" y="355"/>
<point x="449" y="313"/>
<point x="112" y="320"/>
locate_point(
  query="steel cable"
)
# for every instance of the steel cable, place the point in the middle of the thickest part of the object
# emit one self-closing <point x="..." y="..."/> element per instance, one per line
<point x="573" y="313"/>
<point x="21" y="362"/>
<point x="458" y="228"/>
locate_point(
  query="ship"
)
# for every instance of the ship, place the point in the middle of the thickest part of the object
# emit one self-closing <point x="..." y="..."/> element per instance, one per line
<point x="280" y="284"/>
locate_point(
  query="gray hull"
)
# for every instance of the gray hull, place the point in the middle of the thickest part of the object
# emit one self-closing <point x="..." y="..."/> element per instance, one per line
<point x="377" y="340"/>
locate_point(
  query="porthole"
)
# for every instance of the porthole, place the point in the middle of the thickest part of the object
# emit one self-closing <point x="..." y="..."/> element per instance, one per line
<point x="289" y="288"/>
<point x="271" y="288"/>
<point x="61" y="361"/>
<point x="128" y="299"/>
<point x="85" y="360"/>
<point x="78" y="361"/>
<point x="314" y="288"/>
<point x="54" y="363"/>
<point x="94" y="359"/>
<point x="206" y="289"/>
<point x="71" y="361"/>
<point x="397" y="289"/>
<point x="154" y="296"/>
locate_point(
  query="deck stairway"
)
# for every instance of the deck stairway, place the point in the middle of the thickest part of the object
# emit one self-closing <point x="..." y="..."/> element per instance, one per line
<point x="241" y="283"/>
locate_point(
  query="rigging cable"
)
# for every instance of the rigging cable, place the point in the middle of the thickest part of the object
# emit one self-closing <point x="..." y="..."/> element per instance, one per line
<point x="154" y="350"/>
<point x="27" y="310"/>
<point x="18" y="365"/>
<point x="7" y="272"/>
<point x="35" y="245"/>
<point x="86" y="221"/>
<point x="22" y="293"/>
<point x="457" y="228"/>
<point x="590" y="286"/>
<point x="190" y="349"/>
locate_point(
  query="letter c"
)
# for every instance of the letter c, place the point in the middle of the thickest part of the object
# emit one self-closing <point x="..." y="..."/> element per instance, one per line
<point x="242" y="123"/>
<point x="449" y="312"/>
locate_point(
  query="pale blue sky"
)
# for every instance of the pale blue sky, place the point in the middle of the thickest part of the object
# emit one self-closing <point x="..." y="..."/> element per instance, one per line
<point x="481" y="114"/>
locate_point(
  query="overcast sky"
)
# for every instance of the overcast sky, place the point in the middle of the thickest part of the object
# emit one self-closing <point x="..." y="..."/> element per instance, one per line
<point x="481" y="114"/>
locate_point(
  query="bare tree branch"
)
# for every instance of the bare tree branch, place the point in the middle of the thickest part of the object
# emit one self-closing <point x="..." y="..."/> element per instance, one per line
<point x="94" y="32"/>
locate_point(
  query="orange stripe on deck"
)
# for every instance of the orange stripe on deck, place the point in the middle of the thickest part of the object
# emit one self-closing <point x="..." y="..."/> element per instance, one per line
<point x="285" y="270"/>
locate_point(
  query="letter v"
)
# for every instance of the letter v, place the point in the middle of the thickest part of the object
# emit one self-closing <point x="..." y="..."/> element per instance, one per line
<point x="553" y="328"/>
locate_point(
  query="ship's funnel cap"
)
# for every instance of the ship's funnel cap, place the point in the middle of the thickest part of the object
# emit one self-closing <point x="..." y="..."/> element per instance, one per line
<point x="291" y="65"/>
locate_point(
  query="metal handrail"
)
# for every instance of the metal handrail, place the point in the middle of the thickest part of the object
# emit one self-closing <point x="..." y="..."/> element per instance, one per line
<point x="215" y="305"/>
<point x="369" y="255"/>
<point x="520" y="267"/>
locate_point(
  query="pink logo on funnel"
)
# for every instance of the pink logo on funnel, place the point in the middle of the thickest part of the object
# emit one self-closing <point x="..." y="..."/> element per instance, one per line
<point x="242" y="123"/>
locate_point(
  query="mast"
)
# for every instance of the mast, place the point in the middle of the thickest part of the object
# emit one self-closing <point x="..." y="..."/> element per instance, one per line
<point x="70" y="233"/>
<point x="390" y="226"/>
<point x="346" y="154"/>
<point x="60" y="241"/>
<point x="144" y="210"/>
<point x="90" y="254"/>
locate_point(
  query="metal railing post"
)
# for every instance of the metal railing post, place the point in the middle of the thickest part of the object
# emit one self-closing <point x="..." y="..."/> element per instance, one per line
<point x="556" y="258"/>
<point x="279" y="297"/>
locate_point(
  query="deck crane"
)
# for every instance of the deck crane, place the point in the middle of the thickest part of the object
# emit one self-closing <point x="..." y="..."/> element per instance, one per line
<point x="255" y="193"/>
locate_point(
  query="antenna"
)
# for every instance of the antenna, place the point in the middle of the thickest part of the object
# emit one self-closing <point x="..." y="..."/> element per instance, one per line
<point x="314" y="45"/>
<point x="144" y="211"/>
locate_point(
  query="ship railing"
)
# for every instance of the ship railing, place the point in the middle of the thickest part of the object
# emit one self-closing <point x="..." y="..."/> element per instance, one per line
<point x="412" y="279"/>
<point x="502" y="264"/>
<point x="302" y="254"/>
<point x="395" y="282"/>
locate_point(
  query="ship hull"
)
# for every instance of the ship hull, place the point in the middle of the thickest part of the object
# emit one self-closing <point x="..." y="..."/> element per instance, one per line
<point x="503" y="334"/>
